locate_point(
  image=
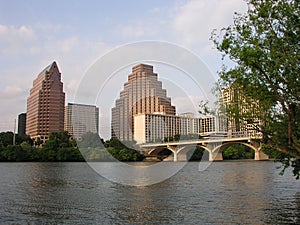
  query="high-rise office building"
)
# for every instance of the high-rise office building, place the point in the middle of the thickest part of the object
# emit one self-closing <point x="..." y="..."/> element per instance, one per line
<point x="142" y="93"/>
<point x="80" y="119"/>
<point x="22" y="124"/>
<point x="241" y="111"/>
<point x="45" y="105"/>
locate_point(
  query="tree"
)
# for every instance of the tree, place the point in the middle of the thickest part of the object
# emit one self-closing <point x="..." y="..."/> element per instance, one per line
<point x="123" y="151"/>
<point x="90" y="140"/>
<point x="6" y="138"/>
<point x="59" y="147"/>
<point x="14" y="153"/>
<point x="238" y="151"/>
<point x="264" y="46"/>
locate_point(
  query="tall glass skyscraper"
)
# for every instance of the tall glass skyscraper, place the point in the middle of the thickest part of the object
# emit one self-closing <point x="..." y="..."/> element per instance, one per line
<point x="22" y="124"/>
<point x="80" y="119"/>
<point x="142" y="93"/>
<point x="45" y="104"/>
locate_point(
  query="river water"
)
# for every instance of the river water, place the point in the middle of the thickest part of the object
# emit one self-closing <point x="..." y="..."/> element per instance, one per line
<point x="228" y="192"/>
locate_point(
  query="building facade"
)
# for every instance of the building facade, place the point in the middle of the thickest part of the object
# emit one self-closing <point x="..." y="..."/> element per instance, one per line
<point x="156" y="127"/>
<point x="213" y="126"/>
<point x="240" y="112"/>
<point x="45" y="104"/>
<point x="142" y="93"/>
<point x="22" y="124"/>
<point x="80" y="119"/>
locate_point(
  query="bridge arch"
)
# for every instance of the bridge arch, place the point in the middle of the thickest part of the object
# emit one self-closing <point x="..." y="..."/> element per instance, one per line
<point x="179" y="152"/>
<point x="155" y="151"/>
<point x="216" y="153"/>
<point x="223" y="146"/>
<point x="215" y="148"/>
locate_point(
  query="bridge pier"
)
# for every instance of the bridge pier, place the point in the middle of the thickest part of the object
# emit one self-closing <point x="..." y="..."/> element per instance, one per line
<point x="215" y="153"/>
<point x="177" y="155"/>
<point x="215" y="156"/>
<point x="259" y="155"/>
<point x="215" y="148"/>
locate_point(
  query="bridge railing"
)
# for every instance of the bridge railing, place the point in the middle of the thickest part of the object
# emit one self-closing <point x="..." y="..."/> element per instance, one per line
<point x="235" y="135"/>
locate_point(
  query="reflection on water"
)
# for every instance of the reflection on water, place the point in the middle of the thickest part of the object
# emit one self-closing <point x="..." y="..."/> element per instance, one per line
<point x="243" y="192"/>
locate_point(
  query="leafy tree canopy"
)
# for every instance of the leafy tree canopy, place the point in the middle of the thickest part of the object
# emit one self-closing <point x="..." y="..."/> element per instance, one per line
<point x="264" y="46"/>
<point x="91" y="140"/>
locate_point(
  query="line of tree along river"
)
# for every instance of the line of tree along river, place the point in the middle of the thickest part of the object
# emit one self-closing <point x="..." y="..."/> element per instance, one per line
<point x="60" y="148"/>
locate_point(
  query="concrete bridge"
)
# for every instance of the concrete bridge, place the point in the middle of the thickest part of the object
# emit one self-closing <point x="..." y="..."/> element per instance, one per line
<point x="214" y="145"/>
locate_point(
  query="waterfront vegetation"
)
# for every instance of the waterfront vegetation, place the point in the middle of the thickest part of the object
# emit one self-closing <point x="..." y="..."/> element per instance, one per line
<point x="60" y="148"/>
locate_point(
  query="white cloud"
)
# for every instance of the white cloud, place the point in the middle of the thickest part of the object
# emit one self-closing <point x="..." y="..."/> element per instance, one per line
<point x="8" y="33"/>
<point x="11" y="92"/>
<point x="194" y="21"/>
<point x="14" y="40"/>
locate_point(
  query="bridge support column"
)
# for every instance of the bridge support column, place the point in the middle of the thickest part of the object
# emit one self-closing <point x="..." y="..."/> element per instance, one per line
<point x="259" y="155"/>
<point x="175" y="156"/>
<point x="215" y="156"/>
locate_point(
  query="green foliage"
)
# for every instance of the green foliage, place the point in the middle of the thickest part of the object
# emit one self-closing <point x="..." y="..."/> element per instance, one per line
<point x="237" y="151"/>
<point x="264" y="46"/>
<point x="90" y="140"/>
<point x="13" y="153"/>
<point x="197" y="154"/>
<point x="58" y="140"/>
<point x="123" y="151"/>
<point x="6" y="138"/>
<point x="125" y="154"/>
<point x="68" y="155"/>
<point x="58" y="148"/>
<point x="96" y="154"/>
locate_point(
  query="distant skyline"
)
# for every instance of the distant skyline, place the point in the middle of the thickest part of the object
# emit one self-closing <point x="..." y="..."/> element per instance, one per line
<point x="33" y="34"/>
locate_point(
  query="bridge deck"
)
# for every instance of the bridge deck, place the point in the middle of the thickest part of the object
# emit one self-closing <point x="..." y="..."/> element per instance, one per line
<point x="199" y="141"/>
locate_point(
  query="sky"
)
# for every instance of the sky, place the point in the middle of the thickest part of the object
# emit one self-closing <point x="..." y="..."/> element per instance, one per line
<point x="76" y="33"/>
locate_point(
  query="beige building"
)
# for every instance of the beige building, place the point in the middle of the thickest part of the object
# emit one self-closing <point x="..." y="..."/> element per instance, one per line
<point x="157" y="127"/>
<point x="80" y="119"/>
<point x="142" y="93"/>
<point x="45" y="105"/>
<point x="213" y="126"/>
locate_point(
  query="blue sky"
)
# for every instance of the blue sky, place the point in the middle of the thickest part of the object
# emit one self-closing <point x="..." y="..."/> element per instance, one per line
<point x="76" y="33"/>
